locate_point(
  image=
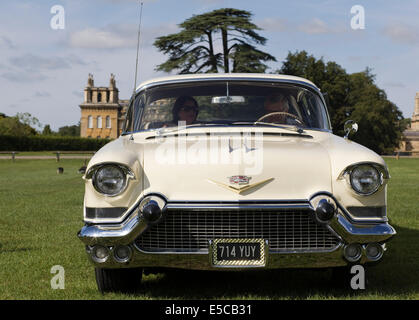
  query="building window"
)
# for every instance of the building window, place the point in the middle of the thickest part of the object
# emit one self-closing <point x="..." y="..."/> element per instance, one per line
<point x="99" y="122"/>
<point x="99" y="97"/>
<point x="108" y="122"/>
<point x="90" y="122"/>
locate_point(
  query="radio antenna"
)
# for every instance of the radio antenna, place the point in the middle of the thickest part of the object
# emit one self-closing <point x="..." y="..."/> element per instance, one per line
<point x="138" y="47"/>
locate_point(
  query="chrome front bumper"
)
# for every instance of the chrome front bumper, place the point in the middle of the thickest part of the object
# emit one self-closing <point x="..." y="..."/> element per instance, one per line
<point x="127" y="232"/>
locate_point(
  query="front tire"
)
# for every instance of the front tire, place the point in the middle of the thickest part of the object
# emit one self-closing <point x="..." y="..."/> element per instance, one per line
<point x="118" y="280"/>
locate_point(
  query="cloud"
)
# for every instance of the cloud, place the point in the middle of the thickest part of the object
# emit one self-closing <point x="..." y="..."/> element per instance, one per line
<point x="42" y="94"/>
<point x="7" y="43"/>
<point x="118" y="36"/>
<point x="402" y="33"/>
<point x="315" y="26"/>
<point x="92" y="38"/>
<point x="31" y="62"/>
<point x="272" y="24"/>
<point x="23" y="76"/>
<point x="30" y="68"/>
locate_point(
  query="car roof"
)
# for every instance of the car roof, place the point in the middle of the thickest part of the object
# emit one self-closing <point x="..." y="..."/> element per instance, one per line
<point x="225" y="76"/>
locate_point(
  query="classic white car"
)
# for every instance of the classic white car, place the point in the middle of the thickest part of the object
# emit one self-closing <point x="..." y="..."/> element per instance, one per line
<point x="231" y="171"/>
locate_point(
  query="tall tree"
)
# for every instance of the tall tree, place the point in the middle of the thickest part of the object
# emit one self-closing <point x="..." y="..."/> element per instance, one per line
<point x="12" y="126"/>
<point x="192" y="50"/>
<point x="47" y="130"/>
<point x="352" y="96"/>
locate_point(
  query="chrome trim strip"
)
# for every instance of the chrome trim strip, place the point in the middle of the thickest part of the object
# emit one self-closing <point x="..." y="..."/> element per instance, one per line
<point x="126" y="232"/>
<point x="238" y="206"/>
<point x="382" y="170"/>
<point x="227" y="126"/>
<point x="304" y="84"/>
<point x="226" y="78"/>
<point x="199" y="261"/>
<point x="352" y="233"/>
<point x="91" y="173"/>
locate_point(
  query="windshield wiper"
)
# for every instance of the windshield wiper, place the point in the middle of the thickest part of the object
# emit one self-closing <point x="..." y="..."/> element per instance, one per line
<point x="162" y="131"/>
<point x="293" y="128"/>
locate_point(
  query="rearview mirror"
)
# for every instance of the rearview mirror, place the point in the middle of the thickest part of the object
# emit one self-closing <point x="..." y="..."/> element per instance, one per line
<point x="228" y="99"/>
<point x="350" y="126"/>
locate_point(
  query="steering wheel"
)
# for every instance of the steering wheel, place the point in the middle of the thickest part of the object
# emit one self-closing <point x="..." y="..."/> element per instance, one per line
<point x="264" y="117"/>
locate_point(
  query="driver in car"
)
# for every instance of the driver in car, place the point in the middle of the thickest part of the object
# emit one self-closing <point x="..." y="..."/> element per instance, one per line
<point x="277" y="110"/>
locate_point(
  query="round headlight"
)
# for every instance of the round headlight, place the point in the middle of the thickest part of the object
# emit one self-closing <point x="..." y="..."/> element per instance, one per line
<point x="109" y="180"/>
<point x="365" y="179"/>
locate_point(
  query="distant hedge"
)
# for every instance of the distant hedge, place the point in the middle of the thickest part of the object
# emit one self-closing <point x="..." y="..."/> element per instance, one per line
<point x="50" y="143"/>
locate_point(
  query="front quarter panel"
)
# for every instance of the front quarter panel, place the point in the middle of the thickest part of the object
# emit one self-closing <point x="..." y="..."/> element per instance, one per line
<point x="343" y="153"/>
<point x="121" y="151"/>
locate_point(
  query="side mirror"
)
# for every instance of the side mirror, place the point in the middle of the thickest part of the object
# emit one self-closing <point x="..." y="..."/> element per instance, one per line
<point x="350" y="126"/>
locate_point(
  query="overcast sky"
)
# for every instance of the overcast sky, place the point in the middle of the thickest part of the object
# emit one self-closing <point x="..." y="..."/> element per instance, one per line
<point x="44" y="71"/>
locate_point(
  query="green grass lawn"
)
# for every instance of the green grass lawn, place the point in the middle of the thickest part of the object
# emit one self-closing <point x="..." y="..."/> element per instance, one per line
<point x="46" y="153"/>
<point x="41" y="213"/>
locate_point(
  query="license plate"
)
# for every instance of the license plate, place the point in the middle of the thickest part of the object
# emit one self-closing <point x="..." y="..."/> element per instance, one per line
<point x="238" y="252"/>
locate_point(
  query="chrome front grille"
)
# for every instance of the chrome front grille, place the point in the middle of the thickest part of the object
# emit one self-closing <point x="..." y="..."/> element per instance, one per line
<point x="190" y="231"/>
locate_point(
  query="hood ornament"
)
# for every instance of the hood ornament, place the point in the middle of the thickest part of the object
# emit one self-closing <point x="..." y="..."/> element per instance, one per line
<point x="247" y="148"/>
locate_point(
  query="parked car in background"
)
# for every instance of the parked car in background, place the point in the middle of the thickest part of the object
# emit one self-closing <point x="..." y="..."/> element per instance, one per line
<point x="231" y="171"/>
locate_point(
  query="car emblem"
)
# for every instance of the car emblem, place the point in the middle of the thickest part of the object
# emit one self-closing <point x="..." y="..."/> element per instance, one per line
<point x="239" y="180"/>
<point x="245" y="186"/>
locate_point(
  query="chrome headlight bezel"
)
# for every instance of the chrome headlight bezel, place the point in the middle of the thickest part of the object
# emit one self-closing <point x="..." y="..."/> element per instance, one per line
<point x="382" y="173"/>
<point x="126" y="172"/>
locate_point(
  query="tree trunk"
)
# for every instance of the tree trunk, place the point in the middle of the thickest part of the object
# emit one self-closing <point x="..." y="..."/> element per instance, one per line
<point x="225" y="49"/>
<point x="212" y="55"/>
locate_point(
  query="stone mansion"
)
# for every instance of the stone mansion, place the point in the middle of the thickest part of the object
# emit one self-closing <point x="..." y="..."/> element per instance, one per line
<point x="410" y="140"/>
<point x="102" y="112"/>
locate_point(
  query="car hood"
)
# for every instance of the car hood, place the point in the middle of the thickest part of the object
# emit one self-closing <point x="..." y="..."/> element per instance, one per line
<point x="280" y="167"/>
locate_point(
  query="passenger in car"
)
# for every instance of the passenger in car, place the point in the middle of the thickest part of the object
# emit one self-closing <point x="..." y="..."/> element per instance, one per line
<point x="185" y="110"/>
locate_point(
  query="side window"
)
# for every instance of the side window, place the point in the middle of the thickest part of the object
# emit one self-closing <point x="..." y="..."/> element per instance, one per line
<point x="138" y="111"/>
<point x="133" y="117"/>
<point x="312" y="107"/>
<point x="128" y="119"/>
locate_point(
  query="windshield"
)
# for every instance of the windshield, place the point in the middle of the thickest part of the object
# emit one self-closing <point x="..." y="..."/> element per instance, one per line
<point x="226" y="103"/>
